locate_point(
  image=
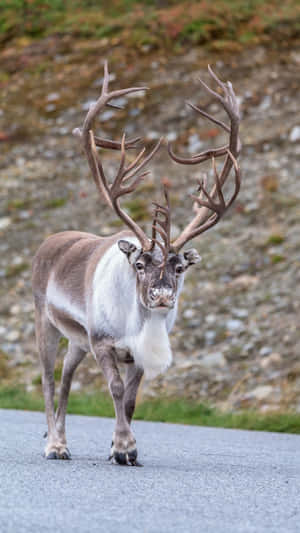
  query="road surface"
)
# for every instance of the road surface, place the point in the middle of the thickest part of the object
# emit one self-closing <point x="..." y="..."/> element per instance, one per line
<point x="194" y="480"/>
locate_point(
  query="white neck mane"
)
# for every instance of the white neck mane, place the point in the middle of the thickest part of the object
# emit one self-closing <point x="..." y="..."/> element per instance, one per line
<point x="150" y="347"/>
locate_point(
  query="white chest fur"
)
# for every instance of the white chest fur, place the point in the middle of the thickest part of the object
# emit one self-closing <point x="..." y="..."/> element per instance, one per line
<point x="150" y="348"/>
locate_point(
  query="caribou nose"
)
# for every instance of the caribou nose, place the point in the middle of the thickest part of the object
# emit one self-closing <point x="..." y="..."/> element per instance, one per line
<point x="162" y="296"/>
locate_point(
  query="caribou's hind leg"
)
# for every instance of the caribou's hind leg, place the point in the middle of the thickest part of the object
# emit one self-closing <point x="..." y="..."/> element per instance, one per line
<point x="47" y="337"/>
<point x="72" y="359"/>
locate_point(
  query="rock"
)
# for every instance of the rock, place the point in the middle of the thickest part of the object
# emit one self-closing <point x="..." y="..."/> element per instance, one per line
<point x="244" y="281"/>
<point x="28" y="307"/>
<point x="121" y="102"/>
<point x="152" y="135"/>
<point x="171" y="136"/>
<point x="210" y="337"/>
<point x="50" y="107"/>
<point x="295" y="134"/>
<point x="15" y="309"/>
<point x="295" y="56"/>
<point x="193" y="323"/>
<point x="52" y="97"/>
<point x="265" y="103"/>
<point x="235" y="324"/>
<point x="76" y="386"/>
<point x="213" y="359"/>
<point x="99" y="81"/>
<point x="189" y="313"/>
<point x="194" y="143"/>
<point x="251" y="207"/>
<point x="248" y="347"/>
<point x="210" y="319"/>
<point x="20" y="162"/>
<point x="107" y="115"/>
<point x="12" y="336"/>
<point x="88" y="104"/>
<point x="261" y="392"/>
<point x="138" y="94"/>
<point x="62" y="131"/>
<point x="134" y="112"/>
<point x="5" y="222"/>
<point x="272" y="359"/>
<point x="265" y="350"/>
<point x="240" y="313"/>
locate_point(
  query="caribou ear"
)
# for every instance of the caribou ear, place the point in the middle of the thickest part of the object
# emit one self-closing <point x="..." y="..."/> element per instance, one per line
<point x="130" y="250"/>
<point x="191" y="257"/>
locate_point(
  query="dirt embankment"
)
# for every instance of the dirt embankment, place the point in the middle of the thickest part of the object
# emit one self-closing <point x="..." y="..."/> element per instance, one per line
<point x="236" y="342"/>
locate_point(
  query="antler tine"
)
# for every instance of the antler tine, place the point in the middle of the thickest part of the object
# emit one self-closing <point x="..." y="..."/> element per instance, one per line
<point x="211" y="205"/>
<point x="109" y="144"/>
<point x="111" y="193"/>
<point x="115" y="145"/>
<point x="134" y="163"/>
<point x="162" y="247"/>
<point x="237" y="173"/>
<point x="98" y="172"/>
<point x="154" y="226"/>
<point x="209" y="211"/>
<point x="210" y="117"/>
<point x="218" y="184"/>
<point x="105" y="79"/>
<point x="230" y="104"/>
<point x="197" y="158"/>
<point x="163" y="228"/>
<point x="222" y="206"/>
<point x="120" y="174"/>
<point x="145" y="161"/>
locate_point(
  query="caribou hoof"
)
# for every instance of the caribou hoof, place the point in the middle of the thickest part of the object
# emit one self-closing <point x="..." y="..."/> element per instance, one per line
<point x="58" y="453"/>
<point x="128" y="458"/>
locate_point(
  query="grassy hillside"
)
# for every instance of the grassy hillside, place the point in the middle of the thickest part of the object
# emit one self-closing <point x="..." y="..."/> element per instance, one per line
<point x="152" y="24"/>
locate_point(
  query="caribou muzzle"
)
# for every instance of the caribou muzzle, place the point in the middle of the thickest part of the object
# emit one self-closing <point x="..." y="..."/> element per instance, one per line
<point x="162" y="297"/>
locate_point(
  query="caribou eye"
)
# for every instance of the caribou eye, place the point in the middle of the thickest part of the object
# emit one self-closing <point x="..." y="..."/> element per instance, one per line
<point x="139" y="266"/>
<point x="179" y="269"/>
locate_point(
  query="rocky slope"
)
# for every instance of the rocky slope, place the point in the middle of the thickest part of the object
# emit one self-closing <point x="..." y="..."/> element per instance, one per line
<point x="236" y="342"/>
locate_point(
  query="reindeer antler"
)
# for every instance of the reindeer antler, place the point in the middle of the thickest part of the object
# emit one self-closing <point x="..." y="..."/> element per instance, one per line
<point x="210" y="206"/>
<point x="162" y="225"/>
<point x="126" y="180"/>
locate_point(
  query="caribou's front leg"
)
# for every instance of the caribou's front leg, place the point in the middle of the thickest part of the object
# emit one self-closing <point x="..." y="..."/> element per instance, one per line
<point x="134" y="375"/>
<point x="123" y="449"/>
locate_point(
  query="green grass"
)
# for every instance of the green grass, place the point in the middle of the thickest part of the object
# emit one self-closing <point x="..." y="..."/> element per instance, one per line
<point x="14" y="270"/>
<point x="275" y="240"/>
<point x="56" y="202"/>
<point x="277" y="259"/>
<point x="177" y="411"/>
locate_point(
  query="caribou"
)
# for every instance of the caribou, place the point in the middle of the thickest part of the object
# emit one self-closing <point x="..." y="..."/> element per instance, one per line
<point x="117" y="296"/>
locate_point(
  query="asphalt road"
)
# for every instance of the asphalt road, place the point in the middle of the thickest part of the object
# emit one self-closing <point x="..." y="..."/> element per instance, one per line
<point x="194" y="480"/>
